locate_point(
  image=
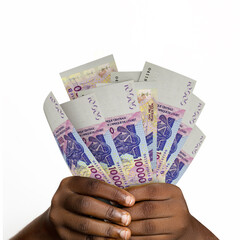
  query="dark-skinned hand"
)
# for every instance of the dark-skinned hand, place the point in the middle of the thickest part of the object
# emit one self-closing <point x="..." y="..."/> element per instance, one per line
<point x="76" y="214"/>
<point x="160" y="213"/>
<point x="155" y="211"/>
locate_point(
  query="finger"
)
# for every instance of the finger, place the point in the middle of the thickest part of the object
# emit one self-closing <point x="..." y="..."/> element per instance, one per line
<point x="89" y="226"/>
<point x="89" y="206"/>
<point x="155" y="237"/>
<point x="100" y="238"/>
<point x="152" y="209"/>
<point x="96" y="188"/>
<point x="153" y="191"/>
<point x="66" y="233"/>
<point x="151" y="227"/>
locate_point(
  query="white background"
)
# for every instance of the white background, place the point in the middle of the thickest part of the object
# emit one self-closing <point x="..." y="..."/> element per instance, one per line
<point x="39" y="39"/>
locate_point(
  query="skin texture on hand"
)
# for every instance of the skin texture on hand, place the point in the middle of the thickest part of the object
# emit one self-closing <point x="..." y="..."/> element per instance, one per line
<point x="151" y="211"/>
<point x="74" y="202"/>
<point x="161" y="212"/>
<point x="76" y="213"/>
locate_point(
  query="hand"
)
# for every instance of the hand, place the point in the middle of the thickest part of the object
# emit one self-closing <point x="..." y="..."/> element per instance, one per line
<point x="160" y="213"/>
<point x="76" y="214"/>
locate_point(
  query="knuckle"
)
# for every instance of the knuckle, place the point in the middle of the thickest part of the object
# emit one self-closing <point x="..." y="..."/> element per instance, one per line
<point x="54" y="201"/>
<point x="152" y="189"/>
<point x="53" y="216"/>
<point x="109" y="231"/>
<point x="149" y="227"/>
<point x="117" y="193"/>
<point x="110" y="213"/>
<point x="177" y="190"/>
<point x="60" y="194"/>
<point x="82" y="204"/>
<point x="72" y="181"/>
<point x="93" y="185"/>
<point x="68" y="201"/>
<point x="64" y="182"/>
<point x="83" y="227"/>
<point x="147" y="208"/>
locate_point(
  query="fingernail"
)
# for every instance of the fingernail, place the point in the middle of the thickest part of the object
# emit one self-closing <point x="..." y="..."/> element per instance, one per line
<point x="124" y="234"/>
<point x="125" y="219"/>
<point x="129" y="200"/>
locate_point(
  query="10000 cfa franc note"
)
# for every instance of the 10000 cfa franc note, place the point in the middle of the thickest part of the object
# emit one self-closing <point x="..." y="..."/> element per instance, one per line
<point x="194" y="108"/>
<point x="88" y="75"/>
<point x="147" y="99"/>
<point x="185" y="156"/>
<point x="121" y="111"/>
<point x="173" y="94"/>
<point x="86" y="115"/>
<point x="76" y="154"/>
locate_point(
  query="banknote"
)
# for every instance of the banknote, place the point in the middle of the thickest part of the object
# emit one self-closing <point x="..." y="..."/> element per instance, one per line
<point x="124" y="76"/>
<point x="147" y="95"/>
<point x="147" y="99"/>
<point x="194" y="108"/>
<point x="173" y="94"/>
<point x="87" y="118"/>
<point x="121" y="110"/>
<point x="79" y="159"/>
<point x="185" y="156"/>
<point x="86" y="76"/>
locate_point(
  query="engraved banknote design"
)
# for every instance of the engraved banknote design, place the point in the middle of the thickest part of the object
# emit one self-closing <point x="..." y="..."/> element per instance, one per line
<point x="76" y="154"/>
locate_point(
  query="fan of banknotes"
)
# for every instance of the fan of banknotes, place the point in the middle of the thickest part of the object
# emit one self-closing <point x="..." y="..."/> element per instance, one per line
<point x="126" y="128"/>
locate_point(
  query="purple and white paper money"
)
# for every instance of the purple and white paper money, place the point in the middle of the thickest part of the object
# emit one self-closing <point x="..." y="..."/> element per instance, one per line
<point x="121" y="111"/>
<point x="185" y="156"/>
<point x="147" y="99"/>
<point x="194" y="108"/>
<point x="173" y="94"/>
<point x="79" y="159"/>
<point x="88" y="75"/>
<point x="86" y="115"/>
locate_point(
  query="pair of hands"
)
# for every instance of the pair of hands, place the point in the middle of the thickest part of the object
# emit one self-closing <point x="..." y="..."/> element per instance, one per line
<point x="151" y="211"/>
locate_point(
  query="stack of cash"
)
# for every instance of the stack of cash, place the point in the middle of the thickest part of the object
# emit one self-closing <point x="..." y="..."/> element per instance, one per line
<point x="126" y="128"/>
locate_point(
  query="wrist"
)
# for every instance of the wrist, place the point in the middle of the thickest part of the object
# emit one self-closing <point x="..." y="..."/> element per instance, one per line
<point x="38" y="229"/>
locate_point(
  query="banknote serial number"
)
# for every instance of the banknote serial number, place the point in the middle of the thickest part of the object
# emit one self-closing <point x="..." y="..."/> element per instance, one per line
<point x="147" y="74"/>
